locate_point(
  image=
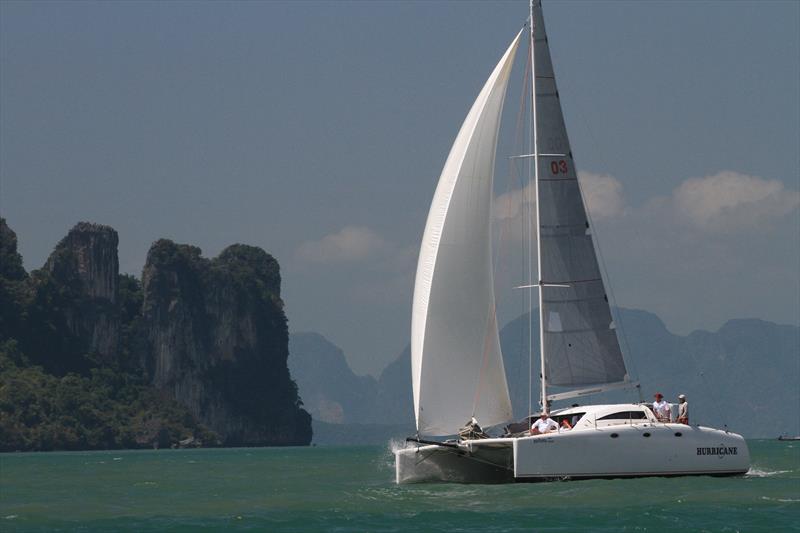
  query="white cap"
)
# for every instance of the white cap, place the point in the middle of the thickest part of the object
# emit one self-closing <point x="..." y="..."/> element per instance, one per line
<point x="681" y="397"/>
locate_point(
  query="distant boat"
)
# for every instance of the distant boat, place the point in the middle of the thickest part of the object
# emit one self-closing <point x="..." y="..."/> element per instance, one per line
<point x="456" y="362"/>
<point x="787" y="437"/>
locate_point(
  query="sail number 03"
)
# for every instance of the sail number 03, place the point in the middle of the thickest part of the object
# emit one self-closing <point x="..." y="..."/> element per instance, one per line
<point x="559" y="167"/>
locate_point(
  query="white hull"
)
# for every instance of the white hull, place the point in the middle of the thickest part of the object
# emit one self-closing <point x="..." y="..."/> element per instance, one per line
<point x="435" y="463"/>
<point x="636" y="450"/>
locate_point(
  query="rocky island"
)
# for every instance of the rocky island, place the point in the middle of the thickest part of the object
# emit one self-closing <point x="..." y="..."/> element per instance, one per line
<point x="194" y="354"/>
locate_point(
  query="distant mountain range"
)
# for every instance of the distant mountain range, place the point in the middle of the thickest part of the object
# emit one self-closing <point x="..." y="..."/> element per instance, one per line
<point x="332" y="393"/>
<point x="745" y="376"/>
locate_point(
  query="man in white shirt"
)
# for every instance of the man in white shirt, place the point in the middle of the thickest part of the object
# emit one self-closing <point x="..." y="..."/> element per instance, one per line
<point x="545" y="424"/>
<point x="662" y="409"/>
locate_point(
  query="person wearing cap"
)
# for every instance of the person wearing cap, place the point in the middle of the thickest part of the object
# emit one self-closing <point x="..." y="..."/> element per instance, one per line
<point x="661" y="408"/>
<point x="545" y="424"/>
<point x="683" y="410"/>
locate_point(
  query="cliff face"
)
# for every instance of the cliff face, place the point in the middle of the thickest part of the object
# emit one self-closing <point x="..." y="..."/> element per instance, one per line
<point x="10" y="261"/>
<point x="71" y="321"/>
<point x="86" y="260"/>
<point x="13" y="283"/>
<point x="218" y="342"/>
<point x="88" y="252"/>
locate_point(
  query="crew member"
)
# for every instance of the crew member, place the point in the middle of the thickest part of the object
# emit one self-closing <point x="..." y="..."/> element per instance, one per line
<point x="662" y="409"/>
<point x="683" y="410"/>
<point x="545" y="424"/>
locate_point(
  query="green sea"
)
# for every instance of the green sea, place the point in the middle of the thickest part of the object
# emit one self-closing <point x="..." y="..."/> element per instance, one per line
<point x="352" y="489"/>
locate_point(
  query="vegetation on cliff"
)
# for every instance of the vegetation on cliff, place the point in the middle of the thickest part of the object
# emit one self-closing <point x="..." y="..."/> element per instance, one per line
<point x="107" y="409"/>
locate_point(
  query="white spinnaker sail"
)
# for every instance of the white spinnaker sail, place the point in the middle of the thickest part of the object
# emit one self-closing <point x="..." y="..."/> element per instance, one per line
<point x="456" y="363"/>
<point x="580" y="343"/>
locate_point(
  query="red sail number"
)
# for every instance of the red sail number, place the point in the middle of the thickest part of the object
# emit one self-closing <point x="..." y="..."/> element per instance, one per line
<point x="558" y="167"/>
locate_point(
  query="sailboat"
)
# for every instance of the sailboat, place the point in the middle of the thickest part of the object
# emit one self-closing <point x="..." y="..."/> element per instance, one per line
<point x="456" y="361"/>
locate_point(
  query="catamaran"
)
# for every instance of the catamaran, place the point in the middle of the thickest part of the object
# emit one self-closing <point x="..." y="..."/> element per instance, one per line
<point x="456" y="362"/>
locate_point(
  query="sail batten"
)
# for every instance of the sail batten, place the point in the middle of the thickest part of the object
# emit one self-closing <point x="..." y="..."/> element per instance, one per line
<point x="457" y="367"/>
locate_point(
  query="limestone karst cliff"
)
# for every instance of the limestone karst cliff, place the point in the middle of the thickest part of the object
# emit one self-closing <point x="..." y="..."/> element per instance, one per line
<point x="10" y="261"/>
<point x="89" y="252"/>
<point x="68" y="311"/>
<point x="218" y="342"/>
<point x="196" y="352"/>
<point x="86" y="262"/>
<point x="13" y="282"/>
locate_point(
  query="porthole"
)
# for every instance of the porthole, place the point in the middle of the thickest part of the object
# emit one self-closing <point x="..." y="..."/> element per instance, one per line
<point x="614" y="435"/>
<point x="679" y="434"/>
<point x="645" y="434"/>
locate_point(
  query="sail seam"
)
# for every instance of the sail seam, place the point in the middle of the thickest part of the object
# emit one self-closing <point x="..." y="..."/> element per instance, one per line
<point x="568" y="281"/>
<point x="564" y="226"/>
<point x="573" y="300"/>
<point x="577" y="330"/>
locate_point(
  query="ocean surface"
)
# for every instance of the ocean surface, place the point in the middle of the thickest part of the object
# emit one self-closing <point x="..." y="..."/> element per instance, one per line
<point x="352" y="489"/>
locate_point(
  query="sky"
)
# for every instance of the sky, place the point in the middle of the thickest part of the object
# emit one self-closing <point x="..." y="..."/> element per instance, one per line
<point x="317" y="131"/>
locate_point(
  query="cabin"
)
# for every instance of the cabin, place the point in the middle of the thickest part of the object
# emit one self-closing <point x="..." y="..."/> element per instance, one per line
<point x="592" y="417"/>
<point x="595" y="416"/>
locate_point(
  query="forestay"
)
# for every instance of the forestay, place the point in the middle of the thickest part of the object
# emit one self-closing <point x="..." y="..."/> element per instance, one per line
<point x="579" y="340"/>
<point x="456" y="363"/>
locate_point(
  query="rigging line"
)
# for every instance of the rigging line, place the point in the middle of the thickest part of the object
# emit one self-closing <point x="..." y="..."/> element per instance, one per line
<point x="609" y="289"/>
<point x="502" y="240"/>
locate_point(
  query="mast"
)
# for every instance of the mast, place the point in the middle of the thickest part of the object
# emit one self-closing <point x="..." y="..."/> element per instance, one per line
<point x="578" y="343"/>
<point x="535" y="141"/>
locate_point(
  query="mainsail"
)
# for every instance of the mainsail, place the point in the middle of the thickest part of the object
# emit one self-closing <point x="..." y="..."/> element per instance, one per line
<point x="456" y="363"/>
<point x="578" y="336"/>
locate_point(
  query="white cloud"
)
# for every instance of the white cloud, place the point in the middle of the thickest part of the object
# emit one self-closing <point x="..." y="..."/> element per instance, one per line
<point x="729" y="200"/>
<point x="603" y="194"/>
<point x="351" y="243"/>
<point x="355" y="265"/>
<point x="719" y="202"/>
<point x="511" y="204"/>
<point x="717" y="242"/>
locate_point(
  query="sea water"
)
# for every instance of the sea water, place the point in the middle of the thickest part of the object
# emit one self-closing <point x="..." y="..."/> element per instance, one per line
<point x="352" y="489"/>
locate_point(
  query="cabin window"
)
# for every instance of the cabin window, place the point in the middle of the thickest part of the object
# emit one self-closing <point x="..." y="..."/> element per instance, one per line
<point x="573" y="418"/>
<point x="678" y="434"/>
<point x="614" y="435"/>
<point x="645" y="434"/>
<point x="625" y="415"/>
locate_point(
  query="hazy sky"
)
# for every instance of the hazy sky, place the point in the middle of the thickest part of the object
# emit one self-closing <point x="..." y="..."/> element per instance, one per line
<point x="317" y="130"/>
